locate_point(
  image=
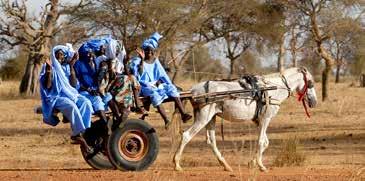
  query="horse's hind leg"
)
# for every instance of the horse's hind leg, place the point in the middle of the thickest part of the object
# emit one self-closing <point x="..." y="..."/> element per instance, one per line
<point x="212" y="142"/>
<point x="202" y="118"/>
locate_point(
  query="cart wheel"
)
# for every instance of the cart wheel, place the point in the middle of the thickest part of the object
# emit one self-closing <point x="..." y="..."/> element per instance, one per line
<point x="94" y="137"/>
<point x="99" y="160"/>
<point x="133" y="146"/>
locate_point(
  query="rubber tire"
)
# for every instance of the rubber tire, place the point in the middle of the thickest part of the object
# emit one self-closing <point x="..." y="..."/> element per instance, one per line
<point x="98" y="161"/>
<point x="153" y="148"/>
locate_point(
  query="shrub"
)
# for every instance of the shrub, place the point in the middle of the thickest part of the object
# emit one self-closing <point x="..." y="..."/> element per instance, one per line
<point x="289" y="155"/>
<point x="13" y="68"/>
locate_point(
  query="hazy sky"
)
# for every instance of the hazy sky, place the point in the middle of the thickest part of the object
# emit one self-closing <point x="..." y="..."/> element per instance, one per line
<point x="36" y="5"/>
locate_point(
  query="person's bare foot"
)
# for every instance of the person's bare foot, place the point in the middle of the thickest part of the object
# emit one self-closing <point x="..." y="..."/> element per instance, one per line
<point x="141" y="110"/>
<point x="186" y="117"/>
<point x="167" y="124"/>
<point x="79" y="139"/>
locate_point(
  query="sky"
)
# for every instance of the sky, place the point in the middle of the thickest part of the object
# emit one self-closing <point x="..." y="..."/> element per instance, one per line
<point x="217" y="52"/>
<point x="35" y="7"/>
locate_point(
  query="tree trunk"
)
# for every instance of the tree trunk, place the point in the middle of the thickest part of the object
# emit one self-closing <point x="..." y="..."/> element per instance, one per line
<point x="325" y="80"/>
<point x="178" y="64"/>
<point x="293" y="47"/>
<point x="231" y="69"/>
<point x="318" y="38"/>
<point x="280" y="67"/>
<point x="338" y="69"/>
<point x="26" y="81"/>
<point x="362" y="80"/>
<point x="29" y="83"/>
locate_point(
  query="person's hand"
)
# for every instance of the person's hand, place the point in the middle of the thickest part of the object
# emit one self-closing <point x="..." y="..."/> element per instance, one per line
<point x="48" y="64"/>
<point x="112" y="74"/>
<point x="74" y="59"/>
<point x="158" y="83"/>
<point x="92" y="92"/>
<point x="152" y="85"/>
<point x="140" y="53"/>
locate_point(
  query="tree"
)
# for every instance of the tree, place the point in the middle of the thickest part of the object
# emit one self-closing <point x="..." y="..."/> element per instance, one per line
<point x="133" y="21"/>
<point x="201" y="66"/>
<point x="34" y="34"/>
<point x="312" y="9"/>
<point x="240" y="28"/>
<point x="248" y="63"/>
<point x="342" y="44"/>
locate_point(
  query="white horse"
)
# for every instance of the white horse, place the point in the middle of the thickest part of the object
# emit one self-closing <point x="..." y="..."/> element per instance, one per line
<point x="240" y="109"/>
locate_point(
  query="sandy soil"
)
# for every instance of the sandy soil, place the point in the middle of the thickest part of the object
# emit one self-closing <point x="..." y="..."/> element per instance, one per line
<point x="333" y="142"/>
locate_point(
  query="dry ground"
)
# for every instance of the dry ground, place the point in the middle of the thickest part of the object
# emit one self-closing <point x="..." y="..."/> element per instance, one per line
<point x="333" y="141"/>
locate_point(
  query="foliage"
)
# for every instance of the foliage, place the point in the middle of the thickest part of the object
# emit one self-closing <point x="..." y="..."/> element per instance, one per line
<point x="13" y="69"/>
<point x="199" y="61"/>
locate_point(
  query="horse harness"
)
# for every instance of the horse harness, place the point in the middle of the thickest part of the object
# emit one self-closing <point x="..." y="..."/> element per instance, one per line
<point x="260" y="96"/>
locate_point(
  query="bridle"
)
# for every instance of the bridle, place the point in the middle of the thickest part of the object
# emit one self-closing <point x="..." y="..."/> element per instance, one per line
<point x="301" y="93"/>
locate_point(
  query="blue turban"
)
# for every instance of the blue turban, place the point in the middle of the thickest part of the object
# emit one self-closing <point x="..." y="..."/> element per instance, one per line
<point x="152" y="41"/>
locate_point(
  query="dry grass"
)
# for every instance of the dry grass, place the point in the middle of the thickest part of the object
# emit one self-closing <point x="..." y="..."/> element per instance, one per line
<point x="290" y="154"/>
<point x="9" y="90"/>
<point x="333" y="138"/>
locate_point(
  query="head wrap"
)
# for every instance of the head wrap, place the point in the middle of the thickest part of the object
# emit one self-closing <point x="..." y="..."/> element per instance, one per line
<point x="93" y="45"/>
<point x="152" y="41"/>
<point x="61" y="82"/>
<point x="113" y="47"/>
<point x="68" y="51"/>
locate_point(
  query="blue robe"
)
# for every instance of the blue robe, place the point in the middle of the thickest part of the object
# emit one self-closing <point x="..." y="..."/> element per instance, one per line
<point x="148" y="78"/>
<point x="87" y="77"/>
<point x="63" y="97"/>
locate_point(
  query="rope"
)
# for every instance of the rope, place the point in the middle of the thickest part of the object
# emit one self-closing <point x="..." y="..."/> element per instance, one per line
<point x="222" y="133"/>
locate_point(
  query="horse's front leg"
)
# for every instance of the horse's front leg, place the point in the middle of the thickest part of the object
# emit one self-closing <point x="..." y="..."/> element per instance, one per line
<point x="202" y="118"/>
<point x="263" y="142"/>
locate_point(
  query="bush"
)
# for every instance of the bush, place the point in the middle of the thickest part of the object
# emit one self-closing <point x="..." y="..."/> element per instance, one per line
<point x="289" y="154"/>
<point x="13" y="68"/>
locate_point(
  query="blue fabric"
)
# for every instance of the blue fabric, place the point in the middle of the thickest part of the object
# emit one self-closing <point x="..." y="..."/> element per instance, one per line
<point x="86" y="74"/>
<point x="91" y="46"/>
<point x="98" y="103"/>
<point x="87" y="77"/>
<point x="148" y="78"/>
<point x="64" y="97"/>
<point x="67" y="70"/>
<point x="79" y="113"/>
<point x="152" y="41"/>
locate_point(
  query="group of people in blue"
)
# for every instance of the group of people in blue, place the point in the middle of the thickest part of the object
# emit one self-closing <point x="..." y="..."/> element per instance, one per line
<point x="101" y="76"/>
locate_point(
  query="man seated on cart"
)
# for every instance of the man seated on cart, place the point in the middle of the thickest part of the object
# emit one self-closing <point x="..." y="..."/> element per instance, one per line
<point x="57" y="87"/>
<point x="86" y="71"/>
<point x="154" y="81"/>
<point x="123" y="86"/>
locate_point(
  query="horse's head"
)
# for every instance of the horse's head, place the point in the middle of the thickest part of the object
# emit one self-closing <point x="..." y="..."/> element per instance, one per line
<point x="306" y="89"/>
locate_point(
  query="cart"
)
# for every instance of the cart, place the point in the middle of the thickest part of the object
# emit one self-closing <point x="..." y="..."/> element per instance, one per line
<point x="134" y="145"/>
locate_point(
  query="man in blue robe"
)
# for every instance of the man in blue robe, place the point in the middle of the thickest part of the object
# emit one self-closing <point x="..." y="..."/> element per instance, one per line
<point x="155" y="83"/>
<point x="86" y="73"/>
<point x="58" y="94"/>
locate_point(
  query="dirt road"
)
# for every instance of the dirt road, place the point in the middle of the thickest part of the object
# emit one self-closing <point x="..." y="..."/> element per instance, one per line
<point x="333" y="142"/>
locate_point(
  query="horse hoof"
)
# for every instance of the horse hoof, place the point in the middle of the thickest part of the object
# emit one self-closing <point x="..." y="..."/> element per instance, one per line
<point x="178" y="168"/>
<point x="263" y="169"/>
<point x="228" y="169"/>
